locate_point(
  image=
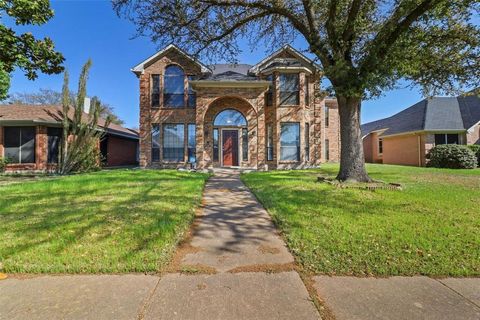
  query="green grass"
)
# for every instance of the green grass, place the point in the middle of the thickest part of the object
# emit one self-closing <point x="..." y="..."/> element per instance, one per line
<point x="430" y="228"/>
<point x="103" y="222"/>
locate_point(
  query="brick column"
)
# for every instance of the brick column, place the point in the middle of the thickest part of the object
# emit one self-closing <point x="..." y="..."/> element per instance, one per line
<point x="41" y="148"/>
<point x="301" y="102"/>
<point x="317" y="130"/>
<point x="201" y="143"/>
<point x="145" y="122"/>
<point x="261" y="134"/>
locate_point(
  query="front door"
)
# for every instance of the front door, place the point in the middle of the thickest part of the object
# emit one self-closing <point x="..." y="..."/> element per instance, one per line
<point x="230" y="147"/>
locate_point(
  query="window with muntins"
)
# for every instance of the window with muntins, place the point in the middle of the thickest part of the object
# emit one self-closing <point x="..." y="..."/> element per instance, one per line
<point x="290" y="141"/>
<point x="173" y="87"/>
<point x="19" y="144"/>
<point x="307" y="92"/>
<point x="155" y="91"/>
<point x="289" y="92"/>
<point x="230" y="118"/>
<point x="173" y="142"/>
<point x="155" y="142"/>
<point x="446" y="138"/>
<point x="327" y="116"/>
<point x="269" y="93"/>
<point x="191" y="143"/>
<point x="380" y="146"/>
<point x="215" y="145"/>
<point x="192" y="97"/>
<point x="54" y="141"/>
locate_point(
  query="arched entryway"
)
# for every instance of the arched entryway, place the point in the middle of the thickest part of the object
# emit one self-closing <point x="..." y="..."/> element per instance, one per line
<point x="230" y="138"/>
<point x="230" y="128"/>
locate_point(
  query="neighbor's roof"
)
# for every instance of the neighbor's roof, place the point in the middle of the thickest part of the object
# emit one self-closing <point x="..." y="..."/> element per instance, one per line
<point x="434" y="114"/>
<point x="51" y="115"/>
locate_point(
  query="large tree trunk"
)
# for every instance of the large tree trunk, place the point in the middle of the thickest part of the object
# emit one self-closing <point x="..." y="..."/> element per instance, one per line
<point x="352" y="160"/>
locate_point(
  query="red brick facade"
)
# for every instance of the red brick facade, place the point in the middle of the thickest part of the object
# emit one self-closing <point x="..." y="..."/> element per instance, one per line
<point x="248" y="99"/>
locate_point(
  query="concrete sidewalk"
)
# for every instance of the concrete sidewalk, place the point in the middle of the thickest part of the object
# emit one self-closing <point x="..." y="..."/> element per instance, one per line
<point x="239" y="269"/>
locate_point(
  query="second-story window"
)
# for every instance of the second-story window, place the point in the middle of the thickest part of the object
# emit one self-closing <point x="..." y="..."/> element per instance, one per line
<point x="174" y="84"/>
<point x="289" y="93"/>
<point x="155" y="91"/>
<point x="269" y="94"/>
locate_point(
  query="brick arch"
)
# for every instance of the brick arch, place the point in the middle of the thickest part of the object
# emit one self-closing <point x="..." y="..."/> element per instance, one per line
<point x="248" y="111"/>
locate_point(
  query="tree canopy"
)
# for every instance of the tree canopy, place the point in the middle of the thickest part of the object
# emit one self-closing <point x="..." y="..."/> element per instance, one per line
<point x="364" y="46"/>
<point x="23" y="50"/>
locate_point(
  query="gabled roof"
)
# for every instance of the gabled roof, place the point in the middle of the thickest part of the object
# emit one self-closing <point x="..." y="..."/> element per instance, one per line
<point x="434" y="114"/>
<point x="139" y="68"/>
<point x="234" y="67"/>
<point x="258" y="67"/>
<point x="12" y="114"/>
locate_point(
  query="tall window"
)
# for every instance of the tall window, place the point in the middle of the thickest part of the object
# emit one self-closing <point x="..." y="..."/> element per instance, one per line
<point x="380" y="145"/>
<point x="54" y="140"/>
<point x="155" y="142"/>
<point x="155" y="91"/>
<point x="244" y="144"/>
<point x="445" y="138"/>
<point x="290" y="141"/>
<point x="173" y="142"/>
<point x="19" y="143"/>
<point x="174" y="84"/>
<point x="327" y="116"/>
<point x="327" y="149"/>
<point x="307" y="92"/>
<point x="269" y="142"/>
<point x="191" y="143"/>
<point x="215" y="144"/>
<point x="289" y="93"/>
<point x="307" y="141"/>
<point x="192" y="97"/>
<point x="269" y="94"/>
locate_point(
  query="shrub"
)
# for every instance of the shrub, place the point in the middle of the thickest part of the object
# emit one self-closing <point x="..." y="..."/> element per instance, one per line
<point x="476" y="149"/>
<point x="451" y="156"/>
<point x="3" y="163"/>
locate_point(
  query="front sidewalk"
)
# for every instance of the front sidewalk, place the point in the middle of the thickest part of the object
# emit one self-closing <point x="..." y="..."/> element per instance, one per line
<point x="235" y="267"/>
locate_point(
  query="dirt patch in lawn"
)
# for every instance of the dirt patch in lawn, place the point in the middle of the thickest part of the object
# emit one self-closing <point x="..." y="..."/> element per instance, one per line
<point x="267" y="268"/>
<point x="264" y="249"/>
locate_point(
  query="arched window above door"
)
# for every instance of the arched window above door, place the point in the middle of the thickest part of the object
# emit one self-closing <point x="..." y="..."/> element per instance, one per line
<point x="230" y="118"/>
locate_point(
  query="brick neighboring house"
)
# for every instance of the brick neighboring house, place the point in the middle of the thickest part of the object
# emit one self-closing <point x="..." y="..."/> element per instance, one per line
<point x="30" y="137"/>
<point x="406" y="137"/>
<point x="265" y="116"/>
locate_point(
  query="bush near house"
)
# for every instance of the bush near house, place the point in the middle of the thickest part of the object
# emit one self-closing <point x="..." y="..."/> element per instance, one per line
<point x="3" y="164"/>
<point x="476" y="149"/>
<point x="451" y="156"/>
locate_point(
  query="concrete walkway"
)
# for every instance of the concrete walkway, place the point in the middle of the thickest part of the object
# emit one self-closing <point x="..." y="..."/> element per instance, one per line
<point x="235" y="267"/>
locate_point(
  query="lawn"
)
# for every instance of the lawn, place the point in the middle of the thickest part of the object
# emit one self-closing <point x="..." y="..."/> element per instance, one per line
<point x="108" y="221"/>
<point x="430" y="228"/>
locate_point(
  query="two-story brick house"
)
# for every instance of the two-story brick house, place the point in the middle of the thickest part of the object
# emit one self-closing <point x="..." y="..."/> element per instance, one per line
<point x="270" y="115"/>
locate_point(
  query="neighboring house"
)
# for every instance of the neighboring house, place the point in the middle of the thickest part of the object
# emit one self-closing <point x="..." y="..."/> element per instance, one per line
<point x="30" y="138"/>
<point x="269" y="115"/>
<point x="406" y="137"/>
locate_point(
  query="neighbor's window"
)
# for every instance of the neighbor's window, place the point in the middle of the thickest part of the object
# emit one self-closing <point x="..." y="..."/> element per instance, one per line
<point x="19" y="144"/>
<point x="54" y="140"/>
<point x="191" y="143"/>
<point x="327" y="116"/>
<point x="173" y="142"/>
<point x="192" y="97"/>
<point x="307" y="141"/>
<point x="215" y="144"/>
<point x="269" y="94"/>
<point x="289" y="93"/>
<point x="290" y="141"/>
<point x="327" y="149"/>
<point x="446" y="138"/>
<point x="269" y="142"/>
<point x="244" y="144"/>
<point x="174" y="84"/>
<point x="155" y="142"/>
<point x="155" y="91"/>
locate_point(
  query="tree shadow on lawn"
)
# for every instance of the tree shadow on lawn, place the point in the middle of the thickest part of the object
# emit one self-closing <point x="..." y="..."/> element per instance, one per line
<point x="62" y="221"/>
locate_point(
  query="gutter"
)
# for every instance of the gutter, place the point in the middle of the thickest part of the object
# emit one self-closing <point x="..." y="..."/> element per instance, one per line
<point x="425" y="131"/>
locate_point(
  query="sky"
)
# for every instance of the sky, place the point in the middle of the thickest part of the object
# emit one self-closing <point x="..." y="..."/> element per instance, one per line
<point x="83" y="29"/>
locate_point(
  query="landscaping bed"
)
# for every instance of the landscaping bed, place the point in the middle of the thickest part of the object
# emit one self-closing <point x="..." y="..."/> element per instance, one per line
<point x="431" y="227"/>
<point x="104" y="222"/>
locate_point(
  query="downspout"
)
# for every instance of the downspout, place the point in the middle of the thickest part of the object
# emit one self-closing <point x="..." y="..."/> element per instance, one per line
<point x="419" y="152"/>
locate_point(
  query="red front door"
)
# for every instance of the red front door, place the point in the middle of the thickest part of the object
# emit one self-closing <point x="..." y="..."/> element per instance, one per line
<point x="230" y="147"/>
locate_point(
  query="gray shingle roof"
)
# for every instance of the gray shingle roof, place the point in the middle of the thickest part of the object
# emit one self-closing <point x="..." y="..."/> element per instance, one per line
<point x="222" y="68"/>
<point x="438" y="113"/>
